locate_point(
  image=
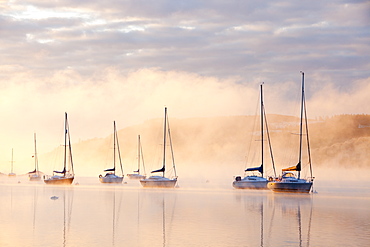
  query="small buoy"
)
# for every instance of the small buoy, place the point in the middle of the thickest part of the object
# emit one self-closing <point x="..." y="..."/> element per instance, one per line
<point x="54" y="198"/>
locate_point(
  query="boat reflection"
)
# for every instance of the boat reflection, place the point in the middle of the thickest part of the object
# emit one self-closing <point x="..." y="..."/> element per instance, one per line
<point x="116" y="205"/>
<point x="298" y="209"/>
<point x="162" y="209"/>
<point x="273" y="216"/>
<point x="67" y="212"/>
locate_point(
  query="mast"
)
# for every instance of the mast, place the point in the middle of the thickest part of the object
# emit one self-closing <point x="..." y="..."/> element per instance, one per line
<point x="164" y="140"/>
<point x="114" y="147"/>
<point x="300" y="129"/>
<point x="261" y="130"/>
<point x="169" y="136"/>
<point x="11" y="167"/>
<point x="65" y="143"/>
<point x="69" y="148"/>
<point x="141" y="156"/>
<point x="138" y="154"/>
<point x="36" y="161"/>
<point x="118" y="150"/>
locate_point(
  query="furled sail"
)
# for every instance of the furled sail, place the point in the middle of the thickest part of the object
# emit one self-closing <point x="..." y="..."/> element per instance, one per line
<point x="64" y="171"/>
<point x="293" y="168"/>
<point x="34" y="171"/>
<point x="260" y="169"/>
<point x="110" y="170"/>
<point x="159" y="170"/>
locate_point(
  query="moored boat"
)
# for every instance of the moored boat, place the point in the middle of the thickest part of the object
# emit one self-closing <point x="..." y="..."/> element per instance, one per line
<point x="162" y="181"/>
<point x="111" y="176"/>
<point x="253" y="181"/>
<point x="66" y="176"/>
<point x="289" y="182"/>
<point x="11" y="173"/>
<point x="140" y="157"/>
<point x="35" y="174"/>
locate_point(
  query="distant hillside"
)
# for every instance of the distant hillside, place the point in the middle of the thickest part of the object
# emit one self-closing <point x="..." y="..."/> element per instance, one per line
<point x="206" y="145"/>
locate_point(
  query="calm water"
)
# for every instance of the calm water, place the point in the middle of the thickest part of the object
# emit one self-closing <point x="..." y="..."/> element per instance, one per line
<point x="93" y="214"/>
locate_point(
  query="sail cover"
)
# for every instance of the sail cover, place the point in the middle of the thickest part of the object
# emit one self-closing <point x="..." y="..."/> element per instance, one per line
<point x="110" y="170"/>
<point x="34" y="171"/>
<point x="260" y="169"/>
<point x="64" y="171"/>
<point x="293" y="168"/>
<point x="159" y="170"/>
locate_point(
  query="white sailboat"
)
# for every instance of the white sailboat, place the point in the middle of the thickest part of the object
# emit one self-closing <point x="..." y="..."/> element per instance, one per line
<point x="162" y="181"/>
<point x="110" y="176"/>
<point x="140" y="156"/>
<point x="35" y="174"/>
<point x="289" y="182"/>
<point x="254" y="181"/>
<point x="66" y="176"/>
<point x="12" y="174"/>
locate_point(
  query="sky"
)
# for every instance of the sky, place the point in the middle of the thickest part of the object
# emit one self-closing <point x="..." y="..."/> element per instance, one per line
<point x="125" y="60"/>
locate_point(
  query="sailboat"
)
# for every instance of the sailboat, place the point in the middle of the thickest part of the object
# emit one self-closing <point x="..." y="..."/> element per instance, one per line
<point x="140" y="156"/>
<point x="35" y="174"/>
<point x="110" y="176"/>
<point x="289" y="182"/>
<point x="66" y="176"/>
<point x="254" y="181"/>
<point x="11" y="174"/>
<point x="162" y="181"/>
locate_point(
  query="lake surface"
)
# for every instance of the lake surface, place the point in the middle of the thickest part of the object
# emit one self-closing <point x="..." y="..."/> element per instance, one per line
<point x="94" y="214"/>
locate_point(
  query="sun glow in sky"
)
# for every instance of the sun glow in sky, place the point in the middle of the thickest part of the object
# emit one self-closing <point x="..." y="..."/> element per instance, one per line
<point x="125" y="60"/>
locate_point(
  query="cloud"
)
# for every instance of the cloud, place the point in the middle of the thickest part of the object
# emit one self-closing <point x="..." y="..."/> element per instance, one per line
<point x="219" y="39"/>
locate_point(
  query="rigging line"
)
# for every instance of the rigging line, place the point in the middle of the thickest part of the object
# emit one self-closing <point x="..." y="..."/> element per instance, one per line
<point x="69" y="146"/>
<point x="307" y="137"/>
<point x="247" y="159"/>
<point x="142" y="157"/>
<point x="169" y="136"/>
<point x="118" y="149"/>
<point x="269" y="140"/>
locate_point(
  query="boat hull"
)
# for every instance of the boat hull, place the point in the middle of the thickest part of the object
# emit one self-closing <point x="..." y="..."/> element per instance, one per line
<point x="111" y="180"/>
<point x="291" y="187"/>
<point x="59" y="180"/>
<point x="35" y="178"/>
<point x="136" y="176"/>
<point x="158" y="182"/>
<point x="252" y="185"/>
